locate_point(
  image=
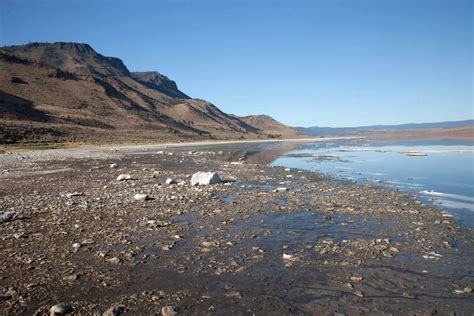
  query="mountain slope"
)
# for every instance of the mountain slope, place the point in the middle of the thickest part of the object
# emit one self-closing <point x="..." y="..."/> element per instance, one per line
<point x="272" y="127"/>
<point x="69" y="92"/>
<point x="157" y="81"/>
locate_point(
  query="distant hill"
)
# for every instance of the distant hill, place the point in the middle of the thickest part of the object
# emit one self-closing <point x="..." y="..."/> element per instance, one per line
<point x="271" y="126"/>
<point x="347" y="131"/>
<point x="67" y="92"/>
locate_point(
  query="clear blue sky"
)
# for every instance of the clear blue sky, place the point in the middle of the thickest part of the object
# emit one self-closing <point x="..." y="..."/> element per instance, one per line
<point x="326" y="63"/>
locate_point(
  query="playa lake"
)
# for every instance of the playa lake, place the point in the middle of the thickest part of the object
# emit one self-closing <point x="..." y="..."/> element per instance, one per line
<point x="441" y="174"/>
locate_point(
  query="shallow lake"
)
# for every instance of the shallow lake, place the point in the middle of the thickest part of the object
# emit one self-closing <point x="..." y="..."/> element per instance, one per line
<point x="442" y="175"/>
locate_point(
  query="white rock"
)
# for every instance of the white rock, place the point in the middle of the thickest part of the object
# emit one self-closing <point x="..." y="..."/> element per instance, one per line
<point x="69" y="195"/>
<point x="60" y="309"/>
<point x="170" y="181"/>
<point x="114" y="165"/>
<point x="280" y="189"/>
<point x="124" y="177"/>
<point x="205" y="178"/>
<point x="289" y="257"/>
<point x="168" y="311"/>
<point x="141" y="197"/>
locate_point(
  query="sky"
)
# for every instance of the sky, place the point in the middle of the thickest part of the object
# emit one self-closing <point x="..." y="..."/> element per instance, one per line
<point x="305" y="63"/>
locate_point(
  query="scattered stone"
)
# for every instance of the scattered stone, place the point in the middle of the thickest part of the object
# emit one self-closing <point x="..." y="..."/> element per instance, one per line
<point x="113" y="166"/>
<point x="281" y="189"/>
<point x="465" y="291"/>
<point x="170" y="181"/>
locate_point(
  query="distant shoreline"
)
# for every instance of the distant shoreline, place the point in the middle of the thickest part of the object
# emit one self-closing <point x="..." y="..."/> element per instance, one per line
<point x="72" y="146"/>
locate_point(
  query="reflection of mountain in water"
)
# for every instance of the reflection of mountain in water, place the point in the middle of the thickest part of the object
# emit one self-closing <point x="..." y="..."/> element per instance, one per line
<point x="259" y="153"/>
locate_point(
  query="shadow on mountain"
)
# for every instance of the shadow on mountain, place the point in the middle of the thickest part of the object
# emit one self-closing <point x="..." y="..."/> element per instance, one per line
<point x="13" y="107"/>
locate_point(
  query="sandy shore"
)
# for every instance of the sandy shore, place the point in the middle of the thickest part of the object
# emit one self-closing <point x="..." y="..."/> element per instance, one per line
<point x="73" y="234"/>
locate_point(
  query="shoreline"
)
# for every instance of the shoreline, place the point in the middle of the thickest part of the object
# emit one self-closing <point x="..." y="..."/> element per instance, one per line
<point x="80" y="238"/>
<point x="180" y="144"/>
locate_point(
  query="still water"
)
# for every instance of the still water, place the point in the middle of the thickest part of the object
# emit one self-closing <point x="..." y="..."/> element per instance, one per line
<point x="442" y="175"/>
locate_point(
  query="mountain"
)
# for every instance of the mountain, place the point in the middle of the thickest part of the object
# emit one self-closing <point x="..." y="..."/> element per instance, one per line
<point x="454" y="130"/>
<point x="346" y="131"/>
<point x="157" y="81"/>
<point x="271" y="126"/>
<point x="67" y="92"/>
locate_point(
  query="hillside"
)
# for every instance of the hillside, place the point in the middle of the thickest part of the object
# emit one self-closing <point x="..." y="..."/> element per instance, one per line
<point x="67" y="92"/>
<point x="272" y="126"/>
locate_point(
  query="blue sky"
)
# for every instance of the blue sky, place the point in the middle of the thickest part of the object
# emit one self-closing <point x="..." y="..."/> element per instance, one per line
<point x="325" y="63"/>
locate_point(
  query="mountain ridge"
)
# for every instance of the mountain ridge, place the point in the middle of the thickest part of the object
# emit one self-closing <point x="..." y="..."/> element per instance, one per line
<point x="341" y="131"/>
<point x="67" y="92"/>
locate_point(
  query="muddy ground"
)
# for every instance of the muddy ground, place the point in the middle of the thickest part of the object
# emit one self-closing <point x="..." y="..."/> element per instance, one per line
<point x="72" y="233"/>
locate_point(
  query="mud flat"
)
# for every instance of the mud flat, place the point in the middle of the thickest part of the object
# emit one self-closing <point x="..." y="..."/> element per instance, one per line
<point x="266" y="240"/>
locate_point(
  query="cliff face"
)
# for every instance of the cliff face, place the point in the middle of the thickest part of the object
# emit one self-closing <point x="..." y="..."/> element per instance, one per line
<point x="157" y="81"/>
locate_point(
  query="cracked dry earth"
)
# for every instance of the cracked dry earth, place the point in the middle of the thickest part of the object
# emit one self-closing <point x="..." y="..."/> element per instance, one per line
<point x="73" y="234"/>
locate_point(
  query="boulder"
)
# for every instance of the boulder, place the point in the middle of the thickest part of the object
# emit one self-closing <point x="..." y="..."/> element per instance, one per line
<point x="205" y="178"/>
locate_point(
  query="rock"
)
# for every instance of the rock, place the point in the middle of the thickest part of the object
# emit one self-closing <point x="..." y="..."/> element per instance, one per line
<point x="70" y="278"/>
<point x="168" y="311"/>
<point x="60" y="309"/>
<point x="141" y="197"/>
<point x="7" y="216"/>
<point x="465" y="291"/>
<point x="69" y="195"/>
<point x="124" y="177"/>
<point x="358" y="293"/>
<point x="234" y="294"/>
<point x="281" y="189"/>
<point x="205" y="178"/>
<point x="113" y="311"/>
<point x="356" y="278"/>
<point x="170" y="181"/>
<point x="114" y="165"/>
<point x="289" y="257"/>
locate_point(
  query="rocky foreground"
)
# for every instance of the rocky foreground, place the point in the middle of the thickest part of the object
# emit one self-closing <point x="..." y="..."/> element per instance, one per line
<point x="112" y="232"/>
